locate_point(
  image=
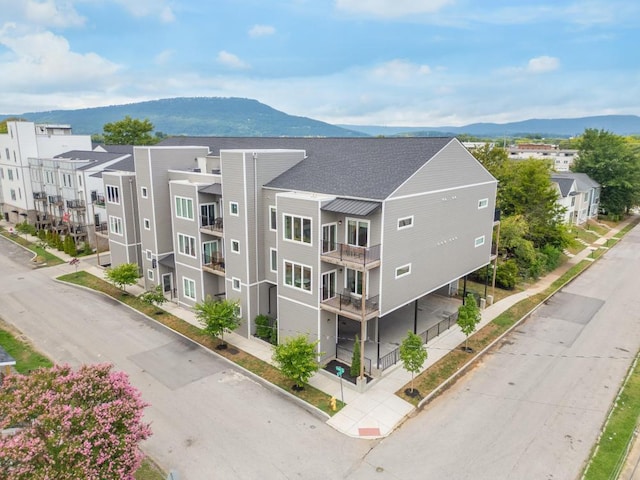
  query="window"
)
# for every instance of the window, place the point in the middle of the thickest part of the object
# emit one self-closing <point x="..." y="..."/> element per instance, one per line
<point x="479" y="241"/>
<point x="235" y="284"/>
<point x="147" y="224"/>
<point x="187" y="245"/>
<point x="297" y="229"/>
<point x="235" y="246"/>
<point x="148" y="254"/>
<point x="208" y="215"/>
<point x="113" y="194"/>
<point x="273" y="218"/>
<point x="358" y="232"/>
<point x="189" y="288"/>
<point x="483" y="203"/>
<point x="13" y="194"/>
<point x="66" y="179"/>
<point x="354" y="281"/>
<point x="211" y="252"/>
<point x="274" y="259"/>
<point x="150" y="274"/>
<point x="403" y="270"/>
<point x="1" y="173"/>
<point x="6" y="151"/>
<point x="18" y="176"/>
<point x="10" y="173"/>
<point x="406" y="222"/>
<point x="115" y="225"/>
<point x="297" y="276"/>
<point x="143" y="192"/>
<point x="329" y="238"/>
<point x="234" y="209"/>
<point x="80" y="180"/>
<point x="184" y="208"/>
<point x="328" y="285"/>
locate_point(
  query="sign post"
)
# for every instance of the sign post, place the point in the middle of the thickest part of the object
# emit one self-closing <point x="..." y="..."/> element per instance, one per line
<point x="340" y="372"/>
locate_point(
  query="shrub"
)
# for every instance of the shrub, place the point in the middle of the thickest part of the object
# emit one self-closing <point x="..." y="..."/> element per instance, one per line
<point x="507" y="274"/>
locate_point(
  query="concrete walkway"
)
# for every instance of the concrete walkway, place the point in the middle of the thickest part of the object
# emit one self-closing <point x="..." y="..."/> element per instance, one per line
<point x="377" y="411"/>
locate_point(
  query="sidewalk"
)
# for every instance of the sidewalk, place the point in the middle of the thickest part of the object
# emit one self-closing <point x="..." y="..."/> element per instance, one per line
<point x="376" y="412"/>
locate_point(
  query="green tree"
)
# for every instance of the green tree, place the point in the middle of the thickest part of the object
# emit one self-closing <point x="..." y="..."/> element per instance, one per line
<point x="129" y="131"/>
<point x="123" y="275"/>
<point x="217" y="317"/>
<point x="468" y="317"/>
<point x="69" y="246"/>
<point x="154" y="296"/>
<point x="25" y="228"/>
<point x="493" y="158"/>
<point x="609" y="160"/>
<point x="297" y="359"/>
<point x="412" y="355"/>
<point x="355" y="359"/>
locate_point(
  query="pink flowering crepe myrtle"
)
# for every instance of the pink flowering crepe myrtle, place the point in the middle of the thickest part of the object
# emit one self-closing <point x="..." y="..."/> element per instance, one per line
<point x="71" y="424"/>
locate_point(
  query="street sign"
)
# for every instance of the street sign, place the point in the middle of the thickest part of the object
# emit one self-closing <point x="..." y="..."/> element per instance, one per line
<point x="340" y="371"/>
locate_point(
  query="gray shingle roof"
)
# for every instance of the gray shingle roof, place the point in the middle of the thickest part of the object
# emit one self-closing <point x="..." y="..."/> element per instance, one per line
<point x="564" y="184"/>
<point x="583" y="181"/>
<point x="367" y="168"/>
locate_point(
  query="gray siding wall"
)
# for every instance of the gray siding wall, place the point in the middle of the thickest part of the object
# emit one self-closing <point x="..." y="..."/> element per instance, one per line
<point x="440" y="246"/>
<point x="126" y="247"/>
<point x="452" y="167"/>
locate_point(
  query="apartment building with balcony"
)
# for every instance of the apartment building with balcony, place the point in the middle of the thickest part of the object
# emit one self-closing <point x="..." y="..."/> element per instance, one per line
<point x="312" y="231"/>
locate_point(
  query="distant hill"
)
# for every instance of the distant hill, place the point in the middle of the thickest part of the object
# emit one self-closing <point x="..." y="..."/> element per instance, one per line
<point x="202" y="116"/>
<point x="558" y="127"/>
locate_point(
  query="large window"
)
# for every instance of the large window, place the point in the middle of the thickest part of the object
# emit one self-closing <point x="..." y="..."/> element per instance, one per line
<point x="297" y="276"/>
<point x="189" y="288"/>
<point x="210" y="252"/>
<point x="207" y="214"/>
<point x="187" y="245"/>
<point x="297" y="229"/>
<point x="184" y="208"/>
<point x="115" y="225"/>
<point x="358" y="232"/>
<point x="354" y="281"/>
<point x="329" y="238"/>
<point x="328" y="285"/>
<point x="113" y="194"/>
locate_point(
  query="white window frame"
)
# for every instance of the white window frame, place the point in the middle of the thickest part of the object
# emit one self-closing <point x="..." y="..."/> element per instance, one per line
<point x="189" y="288"/>
<point x="115" y="225"/>
<point x="112" y="194"/>
<point x="403" y="271"/>
<point x="147" y="224"/>
<point x="301" y="270"/>
<point x="346" y="231"/>
<point x="273" y="265"/>
<point x="357" y="272"/>
<point x="144" y="193"/>
<point x="187" y="245"/>
<point x="483" y="203"/>
<point x="148" y="254"/>
<point x="479" y="241"/>
<point x="329" y="274"/>
<point x="273" y="218"/>
<point x="235" y="243"/>
<point x="408" y="219"/>
<point x="10" y="173"/>
<point x="236" y="284"/>
<point x="327" y="242"/>
<point x="237" y="209"/>
<point x="150" y="274"/>
<point x="182" y="204"/>
<point x="302" y="220"/>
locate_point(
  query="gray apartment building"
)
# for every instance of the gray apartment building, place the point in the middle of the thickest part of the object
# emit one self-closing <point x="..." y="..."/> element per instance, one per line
<point x="316" y="232"/>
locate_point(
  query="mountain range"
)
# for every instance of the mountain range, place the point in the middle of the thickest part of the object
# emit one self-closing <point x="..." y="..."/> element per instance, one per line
<point x="242" y="117"/>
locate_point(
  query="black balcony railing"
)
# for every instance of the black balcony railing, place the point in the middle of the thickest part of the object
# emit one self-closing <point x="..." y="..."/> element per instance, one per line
<point x="76" y="204"/>
<point x="211" y="223"/>
<point x="354" y="254"/>
<point x="214" y="262"/>
<point x="351" y="303"/>
<point x="102" y="228"/>
<point x="55" y="199"/>
<point x="39" y="195"/>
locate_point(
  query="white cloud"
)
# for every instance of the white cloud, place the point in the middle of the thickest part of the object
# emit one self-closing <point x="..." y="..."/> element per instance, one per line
<point x="164" y="57"/>
<point x="42" y="13"/>
<point x="543" y="64"/>
<point x="149" y="8"/>
<point x="399" y="71"/>
<point x="44" y="60"/>
<point x="392" y="8"/>
<point x="232" y="61"/>
<point x="261" y="31"/>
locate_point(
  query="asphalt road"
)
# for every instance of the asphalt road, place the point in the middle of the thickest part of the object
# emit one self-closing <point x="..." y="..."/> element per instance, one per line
<point x="210" y="421"/>
<point x="532" y="409"/>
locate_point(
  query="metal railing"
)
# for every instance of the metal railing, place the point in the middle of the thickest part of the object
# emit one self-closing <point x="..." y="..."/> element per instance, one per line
<point x="354" y="254"/>
<point x="214" y="262"/>
<point x="349" y="302"/>
<point x="75" y="204"/>
<point x="211" y="223"/>
<point x="345" y="355"/>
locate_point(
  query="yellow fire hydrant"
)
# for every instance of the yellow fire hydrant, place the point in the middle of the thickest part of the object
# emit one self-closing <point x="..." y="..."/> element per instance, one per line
<point x="332" y="403"/>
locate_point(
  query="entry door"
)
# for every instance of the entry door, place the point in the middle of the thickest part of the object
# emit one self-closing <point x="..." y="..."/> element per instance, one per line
<point x="357" y="232"/>
<point x="166" y="283"/>
<point x="210" y="252"/>
<point x="328" y="285"/>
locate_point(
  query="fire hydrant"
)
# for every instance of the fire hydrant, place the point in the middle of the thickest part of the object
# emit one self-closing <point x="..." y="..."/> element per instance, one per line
<point x="332" y="403"/>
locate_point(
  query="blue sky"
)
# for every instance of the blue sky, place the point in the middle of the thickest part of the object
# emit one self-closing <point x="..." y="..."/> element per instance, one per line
<point x="382" y="62"/>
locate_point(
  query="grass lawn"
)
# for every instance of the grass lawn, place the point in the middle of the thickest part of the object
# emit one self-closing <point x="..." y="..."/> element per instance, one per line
<point x="28" y="358"/>
<point x="263" y="369"/>
<point x="610" y="451"/>
<point x="50" y="259"/>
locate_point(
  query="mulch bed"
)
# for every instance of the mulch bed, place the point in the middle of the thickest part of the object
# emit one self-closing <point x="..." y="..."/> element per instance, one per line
<point x="331" y="368"/>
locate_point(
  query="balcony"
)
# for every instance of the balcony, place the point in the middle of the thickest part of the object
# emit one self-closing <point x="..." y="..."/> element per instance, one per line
<point x="350" y="305"/>
<point x="55" y="200"/>
<point x="40" y="196"/>
<point x="214" y="264"/>
<point x="78" y="230"/>
<point x="102" y="229"/>
<point x="352" y="256"/>
<point x="211" y="226"/>
<point x="75" y="204"/>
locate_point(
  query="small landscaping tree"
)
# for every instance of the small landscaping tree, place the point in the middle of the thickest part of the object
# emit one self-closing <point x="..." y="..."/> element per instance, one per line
<point x="297" y="359"/>
<point x="468" y="317"/>
<point x="123" y="275"/>
<point x="70" y="246"/>
<point x="263" y="327"/>
<point x="154" y="297"/>
<point x="71" y="424"/>
<point x="25" y="229"/>
<point x="217" y="317"/>
<point x="412" y="355"/>
<point x="355" y="359"/>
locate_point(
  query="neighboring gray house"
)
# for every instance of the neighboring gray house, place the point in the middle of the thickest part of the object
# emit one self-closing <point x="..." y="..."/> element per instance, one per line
<point x="579" y="195"/>
<point x="315" y="232"/>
